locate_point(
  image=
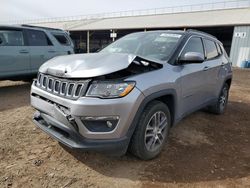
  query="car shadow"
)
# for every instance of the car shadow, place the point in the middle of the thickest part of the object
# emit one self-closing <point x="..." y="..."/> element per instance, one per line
<point x="202" y="147"/>
<point x="14" y="95"/>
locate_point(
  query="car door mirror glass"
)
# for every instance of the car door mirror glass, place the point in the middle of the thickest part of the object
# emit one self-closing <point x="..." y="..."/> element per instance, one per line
<point x="192" y="57"/>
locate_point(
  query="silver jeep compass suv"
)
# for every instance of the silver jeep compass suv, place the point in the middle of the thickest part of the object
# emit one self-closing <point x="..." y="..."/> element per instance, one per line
<point x="127" y="96"/>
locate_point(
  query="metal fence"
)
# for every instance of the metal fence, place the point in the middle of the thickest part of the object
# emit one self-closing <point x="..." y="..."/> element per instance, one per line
<point x="166" y="10"/>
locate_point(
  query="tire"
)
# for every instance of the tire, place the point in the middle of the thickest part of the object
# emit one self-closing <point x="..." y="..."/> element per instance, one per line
<point x="149" y="136"/>
<point x="221" y="104"/>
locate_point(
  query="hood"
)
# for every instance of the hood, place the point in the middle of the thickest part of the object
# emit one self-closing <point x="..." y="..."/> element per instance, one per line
<point x="86" y="65"/>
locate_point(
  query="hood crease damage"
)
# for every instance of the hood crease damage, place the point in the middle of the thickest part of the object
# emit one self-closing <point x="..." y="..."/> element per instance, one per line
<point x="99" y="65"/>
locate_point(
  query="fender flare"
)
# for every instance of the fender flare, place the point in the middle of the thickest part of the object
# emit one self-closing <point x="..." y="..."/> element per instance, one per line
<point x="144" y="103"/>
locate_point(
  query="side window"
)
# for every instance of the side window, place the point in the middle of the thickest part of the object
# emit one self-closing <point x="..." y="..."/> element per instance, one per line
<point x="223" y="51"/>
<point x="194" y="45"/>
<point x="38" y="38"/>
<point x="11" y="38"/>
<point x="211" y="49"/>
<point x="219" y="48"/>
<point x="62" y="39"/>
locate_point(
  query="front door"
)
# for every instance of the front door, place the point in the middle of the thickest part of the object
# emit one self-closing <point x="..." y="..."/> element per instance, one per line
<point x="193" y="79"/>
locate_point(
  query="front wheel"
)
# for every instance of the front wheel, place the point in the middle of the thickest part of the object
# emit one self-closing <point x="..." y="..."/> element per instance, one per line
<point x="151" y="131"/>
<point x="220" y="106"/>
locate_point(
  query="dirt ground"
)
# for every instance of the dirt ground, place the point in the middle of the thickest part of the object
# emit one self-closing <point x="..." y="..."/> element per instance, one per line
<point x="203" y="150"/>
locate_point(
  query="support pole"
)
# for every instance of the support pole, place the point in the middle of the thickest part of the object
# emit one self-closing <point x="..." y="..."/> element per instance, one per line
<point x="113" y="38"/>
<point x="87" y="41"/>
<point x="80" y="43"/>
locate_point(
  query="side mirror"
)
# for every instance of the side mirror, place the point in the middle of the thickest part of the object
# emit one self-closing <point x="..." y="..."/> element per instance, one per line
<point x="1" y="41"/>
<point x="192" y="57"/>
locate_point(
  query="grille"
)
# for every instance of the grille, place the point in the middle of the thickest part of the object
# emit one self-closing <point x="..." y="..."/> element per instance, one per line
<point x="72" y="89"/>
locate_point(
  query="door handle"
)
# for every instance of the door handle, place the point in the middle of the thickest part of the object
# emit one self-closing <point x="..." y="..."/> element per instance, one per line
<point x="206" y="68"/>
<point x="51" y="51"/>
<point x="23" y="51"/>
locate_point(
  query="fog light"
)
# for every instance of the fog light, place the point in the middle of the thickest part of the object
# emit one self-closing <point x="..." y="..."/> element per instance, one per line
<point x="109" y="124"/>
<point x="100" y="124"/>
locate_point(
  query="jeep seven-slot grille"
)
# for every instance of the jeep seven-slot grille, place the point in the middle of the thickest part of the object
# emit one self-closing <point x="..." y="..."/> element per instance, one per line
<point x="72" y="89"/>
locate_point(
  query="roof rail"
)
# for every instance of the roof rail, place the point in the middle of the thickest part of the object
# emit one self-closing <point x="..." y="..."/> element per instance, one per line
<point x="33" y="26"/>
<point x="201" y="32"/>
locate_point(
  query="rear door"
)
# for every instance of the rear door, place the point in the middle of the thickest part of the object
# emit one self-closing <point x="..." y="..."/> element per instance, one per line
<point x="14" y="54"/>
<point x="193" y="78"/>
<point x="41" y="48"/>
<point x="214" y="62"/>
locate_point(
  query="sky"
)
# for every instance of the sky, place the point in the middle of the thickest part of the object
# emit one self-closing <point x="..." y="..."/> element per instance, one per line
<point x="35" y="9"/>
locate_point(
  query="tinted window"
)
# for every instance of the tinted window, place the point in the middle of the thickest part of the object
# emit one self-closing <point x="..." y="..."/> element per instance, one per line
<point x="38" y="38"/>
<point x="62" y="39"/>
<point x="194" y="45"/>
<point x="211" y="49"/>
<point x="11" y="38"/>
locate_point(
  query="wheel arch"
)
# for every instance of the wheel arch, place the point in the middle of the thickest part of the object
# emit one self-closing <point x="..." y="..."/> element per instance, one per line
<point x="228" y="81"/>
<point x="167" y="96"/>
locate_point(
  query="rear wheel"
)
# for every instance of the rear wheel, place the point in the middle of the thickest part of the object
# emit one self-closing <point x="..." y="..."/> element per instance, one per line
<point x="220" y="106"/>
<point x="151" y="131"/>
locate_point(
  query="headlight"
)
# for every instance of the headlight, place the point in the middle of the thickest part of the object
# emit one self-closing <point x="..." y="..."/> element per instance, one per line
<point x="110" y="89"/>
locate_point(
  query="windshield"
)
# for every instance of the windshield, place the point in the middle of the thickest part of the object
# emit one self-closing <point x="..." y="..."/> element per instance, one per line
<point x="152" y="45"/>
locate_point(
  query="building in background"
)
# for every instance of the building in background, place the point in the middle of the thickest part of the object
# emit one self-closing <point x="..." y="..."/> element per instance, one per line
<point x="229" y="21"/>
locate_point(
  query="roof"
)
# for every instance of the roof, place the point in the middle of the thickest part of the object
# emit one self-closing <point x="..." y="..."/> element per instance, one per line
<point x="188" y="33"/>
<point x="227" y="17"/>
<point x="29" y="27"/>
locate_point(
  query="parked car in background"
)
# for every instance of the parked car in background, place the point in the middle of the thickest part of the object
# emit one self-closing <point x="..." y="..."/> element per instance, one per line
<point x="132" y="92"/>
<point x="23" y="49"/>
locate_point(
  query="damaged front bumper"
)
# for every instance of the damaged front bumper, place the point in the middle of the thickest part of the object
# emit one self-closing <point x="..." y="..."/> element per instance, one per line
<point x="71" y="122"/>
<point x="72" y="139"/>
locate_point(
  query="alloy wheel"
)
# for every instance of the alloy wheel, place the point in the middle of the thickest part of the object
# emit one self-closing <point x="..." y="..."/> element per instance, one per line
<point x="223" y="98"/>
<point x="155" y="131"/>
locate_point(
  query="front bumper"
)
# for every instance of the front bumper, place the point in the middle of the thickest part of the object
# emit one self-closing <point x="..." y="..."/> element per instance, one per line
<point x="54" y="121"/>
<point x="72" y="139"/>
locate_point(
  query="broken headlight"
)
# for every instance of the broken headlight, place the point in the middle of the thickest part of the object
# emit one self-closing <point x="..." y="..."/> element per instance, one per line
<point x="110" y="89"/>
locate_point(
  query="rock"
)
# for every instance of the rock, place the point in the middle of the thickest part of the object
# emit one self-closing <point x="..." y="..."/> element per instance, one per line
<point x="38" y="162"/>
<point x="9" y="184"/>
<point x="51" y="175"/>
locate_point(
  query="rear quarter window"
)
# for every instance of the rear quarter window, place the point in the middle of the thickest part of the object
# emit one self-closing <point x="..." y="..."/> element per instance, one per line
<point x="62" y="39"/>
<point x="224" y="51"/>
<point x="219" y="48"/>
